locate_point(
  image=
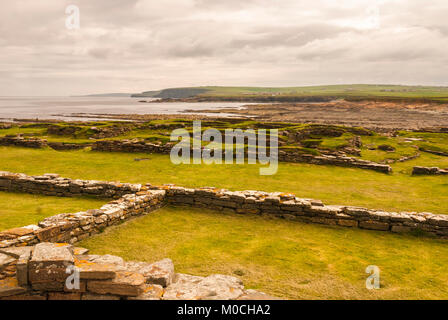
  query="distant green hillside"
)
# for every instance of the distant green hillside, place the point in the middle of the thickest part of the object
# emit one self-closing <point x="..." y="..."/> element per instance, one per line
<point x="355" y="91"/>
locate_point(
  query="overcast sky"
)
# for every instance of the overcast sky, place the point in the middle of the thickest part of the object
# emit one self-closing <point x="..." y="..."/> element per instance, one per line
<point x="137" y="45"/>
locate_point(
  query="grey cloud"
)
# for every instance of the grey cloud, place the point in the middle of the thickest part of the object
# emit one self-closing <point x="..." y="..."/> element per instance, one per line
<point x="136" y="45"/>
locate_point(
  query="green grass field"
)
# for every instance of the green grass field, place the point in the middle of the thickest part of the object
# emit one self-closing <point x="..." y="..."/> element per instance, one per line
<point x="287" y="259"/>
<point x="19" y="209"/>
<point x="334" y="185"/>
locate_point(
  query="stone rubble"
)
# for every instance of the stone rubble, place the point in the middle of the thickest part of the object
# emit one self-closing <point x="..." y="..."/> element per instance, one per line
<point x="113" y="279"/>
<point x="21" y="141"/>
<point x="288" y="206"/>
<point x="140" y="146"/>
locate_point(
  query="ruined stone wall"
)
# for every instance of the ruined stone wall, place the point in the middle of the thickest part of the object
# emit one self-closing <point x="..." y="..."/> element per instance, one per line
<point x="20" y="141"/>
<point x="333" y="160"/>
<point x="288" y="206"/>
<point x="136" y="146"/>
<point x="74" y="227"/>
<point x="138" y="200"/>
<point x="286" y="156"/>
<point x="53" y="185"/>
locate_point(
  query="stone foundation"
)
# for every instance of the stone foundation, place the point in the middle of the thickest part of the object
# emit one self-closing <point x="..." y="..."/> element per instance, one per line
<point x="140" y="200"/>
<point x="137" y="146"/>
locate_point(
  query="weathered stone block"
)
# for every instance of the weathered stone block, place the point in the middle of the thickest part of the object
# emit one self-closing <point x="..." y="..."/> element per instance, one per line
<point x="160" y="272"/>
<point x="347" y="223"/>
<point x="10" y="287"/>
<point x="401" y="229"/>
<point x="48" y="265"/>
<point x="124" y="284"/>
<point x="374" y="225"/>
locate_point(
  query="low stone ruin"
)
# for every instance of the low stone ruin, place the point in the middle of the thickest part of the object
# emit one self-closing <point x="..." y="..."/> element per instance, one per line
<point x="53" y="185"/>
<point x="429" y="171"/>
<point x="286" y="155"/>
<point x="59" y="271"/>
<point x="131" y="146"/>
<point x="20" y="141"/>
<point x="142" y="199"/>
<point x="74" y="227"/>
<point x="341" y="161"/>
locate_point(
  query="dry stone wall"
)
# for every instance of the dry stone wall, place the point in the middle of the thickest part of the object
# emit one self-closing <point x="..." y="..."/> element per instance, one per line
<point x="288" y="206"/>
<point x="20" y="141"/>
<point x="135" y="200"/>
<point x="53" y="185"/>
<point x="74" y="227"/>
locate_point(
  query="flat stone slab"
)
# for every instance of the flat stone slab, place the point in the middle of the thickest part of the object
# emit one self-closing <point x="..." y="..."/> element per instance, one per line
<point x="48" y="265"/>
<point x="17" y="232"/>
<point x="105" y="259"/>
<point x="97" y="271"/>
<point x="160" y="272"/>
<point x="150" y="292"/>
<point x="124" y="284"/>
<point x="17" y="252"/>
<point x="80" y="251"/>
<point x="214" y="287"/>
<point x="6" y="260"/>
<point x="10" y="287"/>
<point x="52" y="252"/>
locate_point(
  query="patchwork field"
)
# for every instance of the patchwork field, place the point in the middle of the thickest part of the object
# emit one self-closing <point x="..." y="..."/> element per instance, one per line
<point x="287" y="259"/>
